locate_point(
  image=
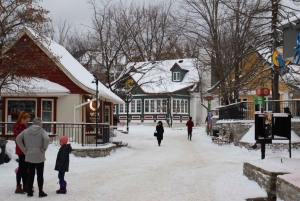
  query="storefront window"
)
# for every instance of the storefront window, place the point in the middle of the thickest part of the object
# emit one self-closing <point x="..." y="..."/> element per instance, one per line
<point x="14" y="107"/>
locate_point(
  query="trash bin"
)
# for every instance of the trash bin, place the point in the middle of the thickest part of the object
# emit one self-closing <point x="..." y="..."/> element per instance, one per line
<point x="105" y="134"/>
<point x="2" y="150"/>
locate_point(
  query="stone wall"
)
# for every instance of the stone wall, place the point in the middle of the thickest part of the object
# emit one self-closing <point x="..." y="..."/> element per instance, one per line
<point x="296" y="127"/>
<point x="94" y="152"/>
<point x="287" y="191"/>
<point x="264" y="178"/>
<point x="237" y="129"/>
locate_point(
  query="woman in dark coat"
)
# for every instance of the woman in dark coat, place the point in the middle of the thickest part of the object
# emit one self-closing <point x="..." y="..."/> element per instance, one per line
<point x="160" y="132"/>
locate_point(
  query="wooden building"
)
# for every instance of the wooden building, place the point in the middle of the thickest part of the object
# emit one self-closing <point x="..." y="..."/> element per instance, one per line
<point x="65" y="95"/>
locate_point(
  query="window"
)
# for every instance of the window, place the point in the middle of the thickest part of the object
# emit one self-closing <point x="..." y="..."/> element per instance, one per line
<point x="164" y="106"/>
<point x="114" y="108"/>
<point x="155" y="106"/>
<point x="121" y="108"/>
<point x="47" y="110"/>
<point x="138" y="106"/>
<point x="47" y="113"/>
<point x="152" y="105"/>
<point x="159" y="106"/>
<point x="147" y="106"/>
<point x="269" y="104"/>
<point x="14" y="107"/>
<point x="180" y="106"/>
<point x="132" y="105"/>
<point x="176" y="76"/>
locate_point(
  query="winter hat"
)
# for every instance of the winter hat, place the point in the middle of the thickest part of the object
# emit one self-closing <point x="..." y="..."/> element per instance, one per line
<point x="64" y="139"/>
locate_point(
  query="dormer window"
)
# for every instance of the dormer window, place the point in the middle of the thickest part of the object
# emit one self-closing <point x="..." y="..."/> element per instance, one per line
<point x="176" y="76"/>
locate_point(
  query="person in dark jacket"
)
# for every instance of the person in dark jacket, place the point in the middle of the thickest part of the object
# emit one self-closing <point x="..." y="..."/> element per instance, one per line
<point x="22" y="173"/>
<point x="62" y="163"/>
<point x="190" y="125"/>
<point x="160" y="132"/>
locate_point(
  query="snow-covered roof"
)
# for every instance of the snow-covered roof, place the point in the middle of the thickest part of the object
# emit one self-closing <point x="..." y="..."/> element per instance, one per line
<point x="35" y="85"/>
<point x="156" y="77"/>
<point x="71" y="67"/>
<point x="292" y="19"/>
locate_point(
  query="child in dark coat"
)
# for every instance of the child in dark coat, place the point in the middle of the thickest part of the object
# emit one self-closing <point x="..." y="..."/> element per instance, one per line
<point x="62" y="163"/>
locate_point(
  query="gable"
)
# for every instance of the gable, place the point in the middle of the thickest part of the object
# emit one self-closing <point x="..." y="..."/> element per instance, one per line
<point x="40" y="65"/>
<point x="177" y="73"/>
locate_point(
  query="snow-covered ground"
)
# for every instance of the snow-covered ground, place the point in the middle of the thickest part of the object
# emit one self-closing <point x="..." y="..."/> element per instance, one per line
<point x="177" y="170"/>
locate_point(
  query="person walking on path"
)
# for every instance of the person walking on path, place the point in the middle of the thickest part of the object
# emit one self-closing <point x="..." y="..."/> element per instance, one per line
<point x="36" y="141"/>
<point x="22" y="173"/>
<point x="62" y="163"/>
<point x="190" y="125"/>
<point x="160" y="132"/>
<point x="208" y="120"/>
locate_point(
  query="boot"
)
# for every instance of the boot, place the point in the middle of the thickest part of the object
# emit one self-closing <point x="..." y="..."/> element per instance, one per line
<point x="29" y="194"/>
<point x="19" y="189"/>
<point x="42" y="194"/>
<point x="62" y="189"/>
<point x="25" y="188"/>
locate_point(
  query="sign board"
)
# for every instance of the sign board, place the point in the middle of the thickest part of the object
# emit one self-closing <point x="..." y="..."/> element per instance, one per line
<point x="208" y="98"/>
<point x="281" y="125"/>
<point x="263" y="91"/>
<point x="263" y="126"/>
<point x="259" y="100"/>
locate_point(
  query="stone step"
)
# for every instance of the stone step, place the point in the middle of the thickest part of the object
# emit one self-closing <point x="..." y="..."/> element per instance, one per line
<point x="117" y="142"/>
<point x="124" y="144"/>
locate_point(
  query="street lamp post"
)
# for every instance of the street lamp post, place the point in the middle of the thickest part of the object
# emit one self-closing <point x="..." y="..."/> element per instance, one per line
<point x="128" y="100"/>
<point x="96" y="81"/>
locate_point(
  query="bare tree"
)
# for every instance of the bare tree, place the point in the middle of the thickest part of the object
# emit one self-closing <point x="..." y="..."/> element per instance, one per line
<point x="14" y="15"/>
<point x="235" y="34"/>
<point x="270" y="14"/>
<point x="223" y="35"/>
<point x="155" y="34"/>
<point x="124" y="35"/>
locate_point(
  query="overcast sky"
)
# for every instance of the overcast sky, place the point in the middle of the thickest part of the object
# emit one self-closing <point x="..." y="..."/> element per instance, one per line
<point x="79" y="12"/>
<point x="76" y="11"/>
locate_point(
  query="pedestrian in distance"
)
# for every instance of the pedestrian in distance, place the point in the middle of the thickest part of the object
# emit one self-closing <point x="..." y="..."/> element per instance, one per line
<point x="208" y="120"/>
<point x="36" y="141"/>
<point x="190" y="125"/>
<point x="22" y="173"/>
<point x="62" y="163"/>
<point x="160" y="132"/>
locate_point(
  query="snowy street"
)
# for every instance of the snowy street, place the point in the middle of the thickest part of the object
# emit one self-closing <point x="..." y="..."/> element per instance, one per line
<point x="179" y="169"/>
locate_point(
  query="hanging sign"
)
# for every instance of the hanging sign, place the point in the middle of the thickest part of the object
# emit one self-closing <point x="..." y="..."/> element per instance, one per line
<point x="263" y="91"/>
